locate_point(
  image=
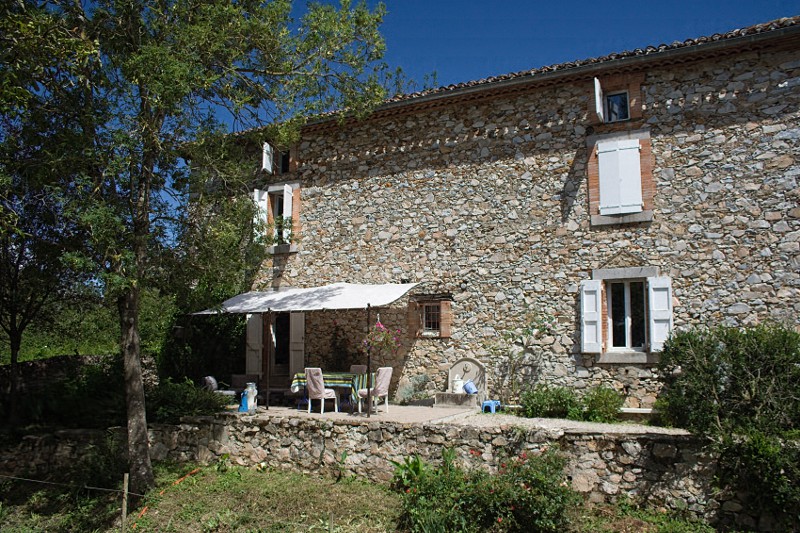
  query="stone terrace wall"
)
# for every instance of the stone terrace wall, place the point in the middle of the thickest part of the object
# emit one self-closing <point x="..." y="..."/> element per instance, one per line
<point x="488" y="200"/>
<point x="665" y="470"/>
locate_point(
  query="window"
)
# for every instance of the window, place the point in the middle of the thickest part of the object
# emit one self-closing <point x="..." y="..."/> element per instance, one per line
<point x="625" y="316"/>
<point x="620" y="175"/>
<point x="430" y="318"/>
<point x="279" y="211"/>
<point x="616" y="107"/>
<point x="280" y="163"/>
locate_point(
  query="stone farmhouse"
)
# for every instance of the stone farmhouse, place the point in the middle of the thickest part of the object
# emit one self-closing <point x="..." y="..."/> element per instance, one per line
<point x="559" y="222"/>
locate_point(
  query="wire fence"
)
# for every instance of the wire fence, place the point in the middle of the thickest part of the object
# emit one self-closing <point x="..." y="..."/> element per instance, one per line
<point x="87" y="487"/>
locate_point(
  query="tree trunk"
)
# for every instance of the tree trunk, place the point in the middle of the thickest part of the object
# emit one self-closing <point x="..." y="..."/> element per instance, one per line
<point x="141" y="470"/>
<point x="13" y="398"/>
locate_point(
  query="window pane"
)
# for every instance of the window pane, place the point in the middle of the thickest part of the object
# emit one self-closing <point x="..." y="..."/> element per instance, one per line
<point x="637" y="314"/>
<point x="617" y="309"/>
<point x="432" y="317"/>
<point x="617" y="107"/>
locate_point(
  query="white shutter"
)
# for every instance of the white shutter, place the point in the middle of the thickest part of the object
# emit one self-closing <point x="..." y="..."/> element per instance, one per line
<point x="297" y="342"/>
<point x="620" y="176"/>
<point x="598" y="100"/>
<point x="591" y="316"/>
<point x="266" y="158"/>
<point x="659" y="299"/>
<point x="253" y="344"/>
<point x="287" y="211"/>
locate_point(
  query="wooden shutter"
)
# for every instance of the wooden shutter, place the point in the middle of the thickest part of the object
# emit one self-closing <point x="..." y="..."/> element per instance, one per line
<point x="261" y="199"/>
<point x="414" y="319"/>
<point x="288" y="195"/>
<point x="620" y="176"/>
<point x="659" y="303"/>
<point x="297" y="342"/>
<point x="445" y="318"/>
<point x="266" y="158"/>
<point x="598" y="100"/>
<point x="253" y="344"/>
<point x="591" y="316"/>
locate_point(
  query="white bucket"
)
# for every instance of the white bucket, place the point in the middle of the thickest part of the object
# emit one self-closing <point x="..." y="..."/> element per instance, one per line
<point x="458" y="385"/>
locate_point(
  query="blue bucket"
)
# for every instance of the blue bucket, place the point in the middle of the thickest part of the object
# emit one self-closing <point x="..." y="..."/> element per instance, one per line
<point x="470" y="388"/>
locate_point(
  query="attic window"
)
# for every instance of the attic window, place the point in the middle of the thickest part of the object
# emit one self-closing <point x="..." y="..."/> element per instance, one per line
<point x="616" y="107"/>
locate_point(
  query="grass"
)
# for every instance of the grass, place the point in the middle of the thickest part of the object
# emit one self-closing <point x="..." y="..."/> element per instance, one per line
<point x="229" y="498"/>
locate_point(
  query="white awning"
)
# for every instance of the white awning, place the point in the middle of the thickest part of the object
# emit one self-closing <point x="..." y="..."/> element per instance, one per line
<point x="335" y="296"/>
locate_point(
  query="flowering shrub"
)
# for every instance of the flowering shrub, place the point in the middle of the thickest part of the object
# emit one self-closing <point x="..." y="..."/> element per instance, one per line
<point x="381" y="342"/>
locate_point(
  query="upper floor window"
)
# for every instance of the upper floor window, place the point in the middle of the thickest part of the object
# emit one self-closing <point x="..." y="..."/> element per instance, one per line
<point x="616" y="107"/>
<point x="279" y="212"/>
<point x="275" y="162"/>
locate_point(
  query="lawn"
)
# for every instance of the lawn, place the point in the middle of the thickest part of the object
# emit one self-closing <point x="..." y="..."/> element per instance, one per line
<point x="228" y="498"/>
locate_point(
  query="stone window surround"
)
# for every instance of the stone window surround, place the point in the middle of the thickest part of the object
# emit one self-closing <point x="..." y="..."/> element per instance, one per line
<point x="648" y="181"/>
<point x="629" y="273"/>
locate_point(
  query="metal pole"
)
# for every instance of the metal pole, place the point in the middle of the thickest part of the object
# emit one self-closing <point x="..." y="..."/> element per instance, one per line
<point x="369" y="364"/>
<point x="270" y="356"/>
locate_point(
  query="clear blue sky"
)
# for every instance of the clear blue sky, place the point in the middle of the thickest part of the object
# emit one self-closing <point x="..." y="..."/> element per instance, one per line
<point x="464" y="40"/>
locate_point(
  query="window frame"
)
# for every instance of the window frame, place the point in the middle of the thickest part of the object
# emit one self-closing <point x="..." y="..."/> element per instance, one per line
<point x="418" y="317"/>
<point x="628" y="319"/>
<point x="606" y="107"/>
<point x="595" y="317"/>
<point x="431" y="313"/>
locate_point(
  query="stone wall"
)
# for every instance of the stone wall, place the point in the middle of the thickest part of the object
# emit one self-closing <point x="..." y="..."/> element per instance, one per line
<point x="666" y="470"/>
<point x="487" y="200"/>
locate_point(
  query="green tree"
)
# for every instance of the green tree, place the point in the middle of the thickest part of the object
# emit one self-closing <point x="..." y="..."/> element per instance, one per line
<point x="148" y="98"/>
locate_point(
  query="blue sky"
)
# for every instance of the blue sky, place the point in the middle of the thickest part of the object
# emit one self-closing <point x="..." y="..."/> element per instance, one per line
<point x="463" y="40"/>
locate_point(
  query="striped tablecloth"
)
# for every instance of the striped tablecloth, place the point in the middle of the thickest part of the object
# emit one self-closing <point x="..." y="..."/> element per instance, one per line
<point x="338" y="380"/>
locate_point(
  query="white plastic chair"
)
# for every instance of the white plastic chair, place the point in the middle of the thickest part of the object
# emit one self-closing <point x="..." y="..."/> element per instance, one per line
<point x="315" y="386"/>
<point x="381" y="390"/>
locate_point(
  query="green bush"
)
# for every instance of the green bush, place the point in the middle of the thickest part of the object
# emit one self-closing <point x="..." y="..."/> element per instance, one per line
<point x="738" y="389"/>
<point x="528" y="493"/>
<point x="168" y="402"/>
<point x="551" y="402"/>
<point x="602" y="404"/>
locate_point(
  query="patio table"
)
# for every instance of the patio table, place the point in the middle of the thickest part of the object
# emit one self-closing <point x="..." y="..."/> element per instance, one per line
<point x="336" y="380"/>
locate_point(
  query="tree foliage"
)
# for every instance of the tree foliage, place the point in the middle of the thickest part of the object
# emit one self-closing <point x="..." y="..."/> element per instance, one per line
<point x="137" y="94"/>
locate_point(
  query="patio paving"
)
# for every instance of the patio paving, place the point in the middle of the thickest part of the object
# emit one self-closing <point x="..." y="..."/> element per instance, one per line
<point x="404" y="414"/>
<point x="413" y="414"/>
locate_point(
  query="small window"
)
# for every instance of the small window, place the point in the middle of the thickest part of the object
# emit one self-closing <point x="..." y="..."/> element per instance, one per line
<point x="285" y="159"/>
<point x="616" y="107"/>
<point x="431" y="319"/>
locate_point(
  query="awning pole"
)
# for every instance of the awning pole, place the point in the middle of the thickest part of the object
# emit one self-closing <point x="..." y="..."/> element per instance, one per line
<point x="270" y="350"/>
<point x="369" y="363"/>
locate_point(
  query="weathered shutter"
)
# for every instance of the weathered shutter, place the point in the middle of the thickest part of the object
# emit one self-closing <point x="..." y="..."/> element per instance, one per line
<point x="659" y="299"/>
<point x="266" y="158"/>
<point x="287" y="211"/>
<point x="445" y="318"/>
<point x="414" y="319"/>
<point x="591" y="316"/>
<point x="261" y="199"/>
<point x="253" y="344"/>
<point x="598" y="100"/>
<point x="297" y="342"/>
<point x="620" y="176"/>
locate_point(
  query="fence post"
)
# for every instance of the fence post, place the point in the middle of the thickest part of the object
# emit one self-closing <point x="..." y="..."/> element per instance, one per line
<point x="124" y="499"/>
